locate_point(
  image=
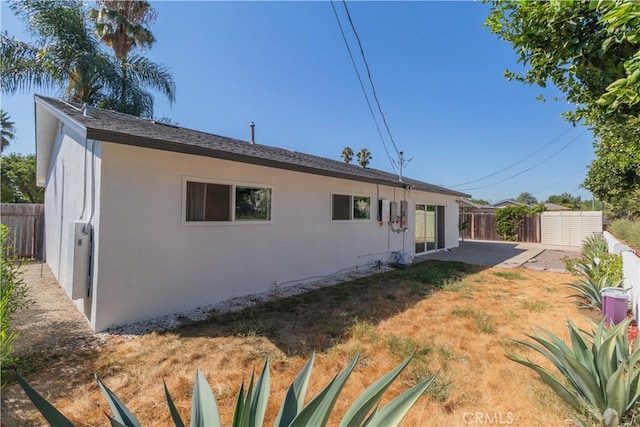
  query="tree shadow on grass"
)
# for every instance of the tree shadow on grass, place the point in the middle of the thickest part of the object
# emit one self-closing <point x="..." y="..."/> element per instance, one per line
<point x="318" y="319"/>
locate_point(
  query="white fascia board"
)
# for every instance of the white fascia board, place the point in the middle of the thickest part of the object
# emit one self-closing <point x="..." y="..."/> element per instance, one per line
<point x="47" y="122"/>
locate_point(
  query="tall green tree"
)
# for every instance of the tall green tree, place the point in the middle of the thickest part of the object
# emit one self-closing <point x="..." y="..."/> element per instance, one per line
<point x="66" y="54"/>
<point x="527" y="198"/>
<point x="364" y="157"/>
<point x="8" y="129"/>
<point x="565" y="199"/>
<point x="347" y="155"/>
<point x="591" y="52"/>
<point x="123" y="26"/>
<point x="19" y="179"/>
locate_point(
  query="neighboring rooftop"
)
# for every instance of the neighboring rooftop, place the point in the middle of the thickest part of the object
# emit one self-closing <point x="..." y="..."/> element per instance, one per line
<point x="466" y="203"/>
<point x="554" y="207"/>
<point x="120" y="128"/>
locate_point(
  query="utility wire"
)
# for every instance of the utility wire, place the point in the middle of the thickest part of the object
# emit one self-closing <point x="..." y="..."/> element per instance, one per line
<point x="528" y="169"/>
<point x="517" y="161"/>
<point x="560" y="182"/>
<point x="364" y="91"/>
<point x="366" y="64"/>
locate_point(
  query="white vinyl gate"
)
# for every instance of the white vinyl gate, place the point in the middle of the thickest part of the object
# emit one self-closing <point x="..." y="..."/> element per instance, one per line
<point x="569" y="228"/>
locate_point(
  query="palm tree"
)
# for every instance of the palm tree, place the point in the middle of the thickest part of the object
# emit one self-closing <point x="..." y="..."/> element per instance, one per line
<point x="122" y="25"/>
<point x="347" y="155"/>
<point x="364" y="157"/>
<point x="65" y="54"/>
<point x="8" y="129"/>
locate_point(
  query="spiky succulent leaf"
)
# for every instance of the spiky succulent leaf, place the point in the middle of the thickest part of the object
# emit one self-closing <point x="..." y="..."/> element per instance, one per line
<point x="317" y="412"/>
<point x="588" y="384"/>
<point x="175" y="416"/>
<point x="260" y="397"/>
<point x="237" y="414"/>
<point x="121" y="413"/>
<point x="569" y="396"/>
<point x="616" y="390"/>
<point x="394" y="411"/>
<point x="294" y="400"/>
<point x="358" y="411"/>
<point x="48" y="411"/>
<point x="115" y="423"/>
<point x="204" y="410"/>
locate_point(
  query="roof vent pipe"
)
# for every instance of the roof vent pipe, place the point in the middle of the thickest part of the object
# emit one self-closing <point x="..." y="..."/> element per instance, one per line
<point x="253" y="132"/>
<point x="85" y="110"/>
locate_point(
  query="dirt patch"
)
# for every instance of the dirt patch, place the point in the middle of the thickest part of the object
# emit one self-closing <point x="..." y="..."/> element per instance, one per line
<point x="53" y="333"/>
<point x="550" y="260"/>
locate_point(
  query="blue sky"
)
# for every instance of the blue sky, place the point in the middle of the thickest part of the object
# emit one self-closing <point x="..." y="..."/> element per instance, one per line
<point x="438" y="74"/>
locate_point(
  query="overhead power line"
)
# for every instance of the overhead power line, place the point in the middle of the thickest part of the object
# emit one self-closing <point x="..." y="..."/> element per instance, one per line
<point x="364" y="91"/>
<point x="561" y="181"/>
<point x="517" y="161"/>
<point x="366" y="64"/>
<point x="534" y="166"/>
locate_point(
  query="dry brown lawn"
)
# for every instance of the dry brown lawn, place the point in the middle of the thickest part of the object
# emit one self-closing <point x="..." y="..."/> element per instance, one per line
<point x="459" y="322"/>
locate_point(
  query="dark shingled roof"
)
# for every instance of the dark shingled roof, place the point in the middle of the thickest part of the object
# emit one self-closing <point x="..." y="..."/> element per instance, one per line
<point x="110" y="126"/>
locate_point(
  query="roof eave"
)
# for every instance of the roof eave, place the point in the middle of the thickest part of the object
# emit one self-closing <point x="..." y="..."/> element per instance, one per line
<point x="144" y="142"/>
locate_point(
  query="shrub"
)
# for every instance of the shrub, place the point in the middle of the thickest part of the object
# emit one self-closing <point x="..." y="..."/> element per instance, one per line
<point x="627" y="230"/>
<point x="508" y="219"/>
<point x="251" y="405"/>
<point x="599" y="373"/>
<point x="13" y="296"/>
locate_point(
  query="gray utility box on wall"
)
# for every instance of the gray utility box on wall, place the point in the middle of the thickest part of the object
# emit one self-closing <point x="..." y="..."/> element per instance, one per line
<point x="81" y="260"/>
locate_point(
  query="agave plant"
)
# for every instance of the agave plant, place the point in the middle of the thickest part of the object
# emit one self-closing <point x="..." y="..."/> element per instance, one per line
<point x="251" y="405"/>
<point x="588" y="291"/>
<point x="594" y="246"/>
<point x="599" y="373"/>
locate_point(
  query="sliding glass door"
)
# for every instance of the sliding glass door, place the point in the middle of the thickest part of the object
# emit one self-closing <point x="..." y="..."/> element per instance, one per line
<point x="429" y="228"/>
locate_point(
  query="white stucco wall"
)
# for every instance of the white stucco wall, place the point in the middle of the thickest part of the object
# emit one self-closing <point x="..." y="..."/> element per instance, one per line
<point x="153" y="263"/>
<point x="68" y="189"/>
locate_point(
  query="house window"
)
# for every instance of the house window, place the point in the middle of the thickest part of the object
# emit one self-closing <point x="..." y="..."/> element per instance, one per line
<point x="345" y="207"/>
<point x="210" y="202"/>
<point x="361" y="207"/>
<point x="253" y="204"/>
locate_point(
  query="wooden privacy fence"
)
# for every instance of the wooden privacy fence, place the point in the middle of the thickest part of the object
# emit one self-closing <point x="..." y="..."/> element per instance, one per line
<point x="26" y="228"/>
<point x="482" y="226"/>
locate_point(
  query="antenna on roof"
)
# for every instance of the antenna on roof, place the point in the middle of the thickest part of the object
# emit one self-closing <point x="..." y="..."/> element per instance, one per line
<point x="253" y="132"/>
<point x="85" y="110"/>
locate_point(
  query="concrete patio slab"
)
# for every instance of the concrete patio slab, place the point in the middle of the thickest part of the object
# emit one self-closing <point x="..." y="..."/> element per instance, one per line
<point x="492" y="254"/>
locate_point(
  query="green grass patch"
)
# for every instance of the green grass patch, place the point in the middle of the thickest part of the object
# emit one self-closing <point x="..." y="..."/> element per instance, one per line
<point x="362" y="330"/>
<point x="405" y="346"/>
<point x="438" y="273"/>
<point x="484" y="322"/>
<point x="509" y="275"/>
<point x="537" y="306"/>
<point x="440" y="388"/>
<point x="455" y="286"/>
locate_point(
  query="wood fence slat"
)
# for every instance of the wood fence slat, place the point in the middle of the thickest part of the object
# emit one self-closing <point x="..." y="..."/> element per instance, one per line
<point x="26" y="228"/>
<point x="482" y="226"/>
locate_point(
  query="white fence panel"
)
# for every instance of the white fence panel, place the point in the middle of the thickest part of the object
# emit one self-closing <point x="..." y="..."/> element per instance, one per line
<point x="568" y="228"/>
<point x="630" y="269"/>
<point x="631" y="274"/>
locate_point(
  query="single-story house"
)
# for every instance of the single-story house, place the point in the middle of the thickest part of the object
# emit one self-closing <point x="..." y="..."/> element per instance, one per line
<point x="145" y="219"/>
<point x="507" y="202"/>
<point x="467" y="205"/>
